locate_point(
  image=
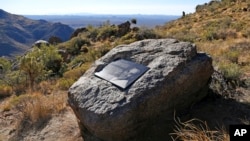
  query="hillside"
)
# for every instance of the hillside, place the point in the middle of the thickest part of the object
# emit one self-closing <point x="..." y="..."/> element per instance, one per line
<point x="31" y="103"/>
<point x="220" y="28"/>
<point x="18" y="33"/>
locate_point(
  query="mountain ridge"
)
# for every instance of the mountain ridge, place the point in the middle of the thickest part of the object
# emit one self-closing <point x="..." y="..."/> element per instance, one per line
<point x="18" y="33"/>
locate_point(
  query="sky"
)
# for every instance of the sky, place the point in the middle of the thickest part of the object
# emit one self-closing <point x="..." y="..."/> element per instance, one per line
<point x="116" y="7"/>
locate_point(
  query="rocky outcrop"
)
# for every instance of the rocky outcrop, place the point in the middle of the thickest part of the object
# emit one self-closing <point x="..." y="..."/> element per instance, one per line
<point x="178" y="77"/>
<point x="123" y="28"/>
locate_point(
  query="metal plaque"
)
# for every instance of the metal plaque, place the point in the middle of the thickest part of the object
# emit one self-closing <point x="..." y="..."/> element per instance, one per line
<point x="122" y="73"/>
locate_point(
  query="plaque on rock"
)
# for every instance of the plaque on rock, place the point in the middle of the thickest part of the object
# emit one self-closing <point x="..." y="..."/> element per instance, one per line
<point x="122" y="73"/>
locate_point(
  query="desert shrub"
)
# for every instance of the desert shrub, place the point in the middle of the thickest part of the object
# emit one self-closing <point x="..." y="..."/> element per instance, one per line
<point x="5" y="65"/>
<point x="127" y="38"/>
<point x="233" y="55"/>
<point x="185" y="35"/>
<point x="70" y="76"/>
<point x="75" y="45"/>
<point x="5" y="90"/>
<point x="17" y="80"/>
<point x="239" y="53"/>
<point x="94" y="54"/>
<point x="65" y="83"/>
<point x="33" y="107"/>
<point x="37" y="107"/>
<point x="210" y="35"/>
<point x="78" y="31"/>
<point x="76" y="72"/>
<point x="45" y="87"/>
<point x="230" y="70"/>
<point x="90" y="56"/>
<point x="54" y="40"/>
<point x="213" y="5"/>
<point x="226" y="34"/>
<point x="200" y="8"/>
<point x="32" y="67"/>
<point x="107" y="31"/>
<point x="145" y="33"/>
<point x="216" y="34"/>
<point x="219" y="29"/>
<point x="142" y="33"/>
<point x="197" y="130"/>
<point x="52" y="60"/>
<point x="40" y="63"/>
<point x="92" y="32"/>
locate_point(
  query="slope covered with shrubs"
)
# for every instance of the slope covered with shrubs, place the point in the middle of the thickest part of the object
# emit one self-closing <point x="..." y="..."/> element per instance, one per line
<point x="220" y="28"/>
<point x="35" y="83"/>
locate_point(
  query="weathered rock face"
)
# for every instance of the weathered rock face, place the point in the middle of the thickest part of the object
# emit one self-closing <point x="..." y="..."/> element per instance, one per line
<point x="177" y="78"/>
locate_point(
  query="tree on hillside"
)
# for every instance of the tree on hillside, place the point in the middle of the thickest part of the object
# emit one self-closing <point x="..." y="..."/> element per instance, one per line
<point x="40" y="63"/>
<point x="32" y="66"/>
<point x="54" y="40"/>
<point x="133" y="21"/>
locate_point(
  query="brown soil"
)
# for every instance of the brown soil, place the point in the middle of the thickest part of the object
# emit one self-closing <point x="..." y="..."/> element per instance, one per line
<point x="61" y="127"/>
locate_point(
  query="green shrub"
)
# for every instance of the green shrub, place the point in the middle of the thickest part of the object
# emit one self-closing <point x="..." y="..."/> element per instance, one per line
<point x="145" y="33"/>
<point x="5" y="64"/>
<point x="210" y="35"/>
<point x="64" y="84"/>
<point x="76" y="72"/>
<point x="74" y="46"/>
<point x="107" y="31"/>
<point x="233" y="55"/>
<point x="40" y="63"/>
<point x="92" y="33"/>
<point x="230" y="70"/>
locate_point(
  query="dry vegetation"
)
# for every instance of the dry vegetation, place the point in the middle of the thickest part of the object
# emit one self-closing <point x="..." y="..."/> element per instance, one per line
<point x="33" y="87"/>
<point x="221" y="29"/>
<point x="30" y="111"/>
<point x="197" y="130"/>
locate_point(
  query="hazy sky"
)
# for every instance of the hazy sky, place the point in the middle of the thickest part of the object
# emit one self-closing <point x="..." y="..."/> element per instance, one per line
<point x="36" y="7"/>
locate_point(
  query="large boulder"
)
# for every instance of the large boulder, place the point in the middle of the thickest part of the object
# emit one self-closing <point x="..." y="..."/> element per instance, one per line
<point x="178" y="77"/>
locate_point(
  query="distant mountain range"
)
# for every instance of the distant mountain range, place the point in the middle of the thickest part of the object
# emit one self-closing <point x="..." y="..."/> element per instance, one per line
<point x="77" y="21"/>
<point x="18" y="33"/>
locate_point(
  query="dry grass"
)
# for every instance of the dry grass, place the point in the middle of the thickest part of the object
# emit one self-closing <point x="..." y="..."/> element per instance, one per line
<point x="5" y="90"/>
<point x="25" y="116"/>
<point x="69" y="77"/>
<point x="36" y="107"/>
<point x="197" y="130"/>
<point x="219" y="29"/>
<point x="231" y="57"/>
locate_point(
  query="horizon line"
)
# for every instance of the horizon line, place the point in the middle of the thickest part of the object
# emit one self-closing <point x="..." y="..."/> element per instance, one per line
<point x="88" y="14"/>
